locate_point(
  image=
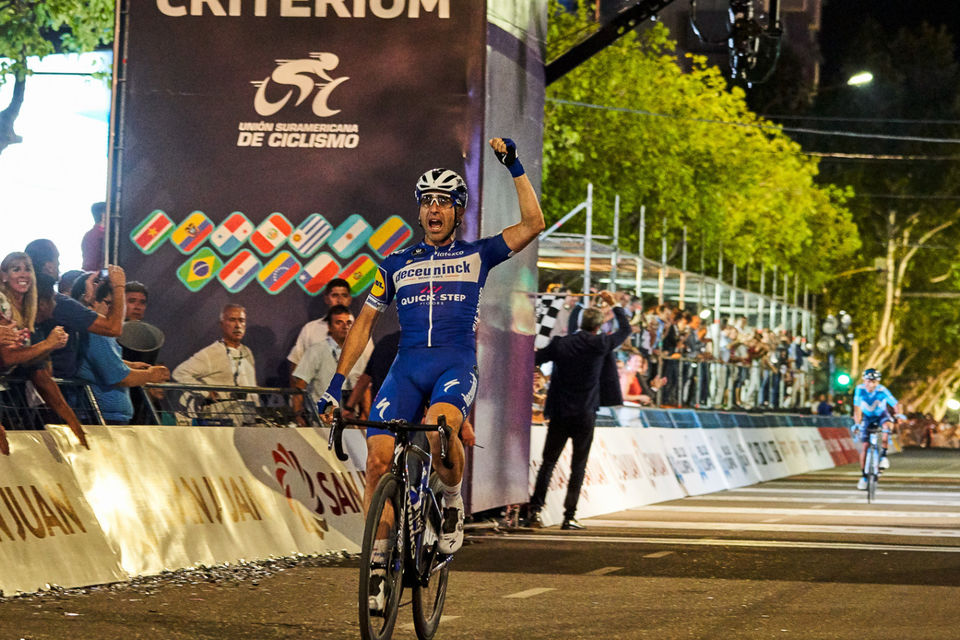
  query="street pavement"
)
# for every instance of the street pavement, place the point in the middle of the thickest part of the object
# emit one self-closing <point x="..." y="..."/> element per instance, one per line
<point x="804" y="557"/>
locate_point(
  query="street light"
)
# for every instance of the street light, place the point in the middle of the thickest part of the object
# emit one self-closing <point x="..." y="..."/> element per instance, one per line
<point x="861" y="78"/>
<point x="953" y="404"/>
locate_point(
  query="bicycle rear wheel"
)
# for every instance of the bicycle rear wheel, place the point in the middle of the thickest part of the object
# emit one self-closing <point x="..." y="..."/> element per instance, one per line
<point x="385" y="516"/>
<point x="431" y="592"/>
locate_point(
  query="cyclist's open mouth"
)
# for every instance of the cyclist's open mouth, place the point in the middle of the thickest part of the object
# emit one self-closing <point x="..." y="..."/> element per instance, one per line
<point x="435" y="224"/>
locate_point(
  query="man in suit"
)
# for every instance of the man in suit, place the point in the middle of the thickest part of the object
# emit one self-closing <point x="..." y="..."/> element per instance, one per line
<point x="572" y="401"/>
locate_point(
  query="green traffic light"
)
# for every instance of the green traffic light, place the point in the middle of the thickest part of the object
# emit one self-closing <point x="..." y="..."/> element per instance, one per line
<point x="843" y="379"/>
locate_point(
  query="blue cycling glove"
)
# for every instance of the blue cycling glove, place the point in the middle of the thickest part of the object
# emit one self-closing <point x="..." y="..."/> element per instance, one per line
<point x="331" y="397"/>
<point x="509" y="158"/>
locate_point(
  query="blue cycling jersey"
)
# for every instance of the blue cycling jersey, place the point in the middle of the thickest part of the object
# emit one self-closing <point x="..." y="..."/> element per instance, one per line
<point x="437" y="290"/>
<point x="873" y="404"/>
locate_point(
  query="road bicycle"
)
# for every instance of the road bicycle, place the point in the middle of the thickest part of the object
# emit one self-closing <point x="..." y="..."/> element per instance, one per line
<point x="871" y="464"/>
<point x="404" y="511"/>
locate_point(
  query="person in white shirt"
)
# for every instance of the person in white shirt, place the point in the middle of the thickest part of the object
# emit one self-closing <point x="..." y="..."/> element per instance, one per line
<point x="227" y="362"/>
<point x="337" y="292"/>
<point x="319" y="361"/>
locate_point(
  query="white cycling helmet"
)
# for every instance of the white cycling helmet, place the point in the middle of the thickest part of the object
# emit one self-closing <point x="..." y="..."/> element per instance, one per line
<point x="871" y="374"/>
<point x="443" y="181"/>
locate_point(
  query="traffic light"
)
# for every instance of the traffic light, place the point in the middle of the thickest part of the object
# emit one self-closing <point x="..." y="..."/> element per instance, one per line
<point x="841" y="380"/>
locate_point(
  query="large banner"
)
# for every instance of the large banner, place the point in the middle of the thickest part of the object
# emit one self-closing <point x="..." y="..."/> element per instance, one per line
<point x="265" y="147"/>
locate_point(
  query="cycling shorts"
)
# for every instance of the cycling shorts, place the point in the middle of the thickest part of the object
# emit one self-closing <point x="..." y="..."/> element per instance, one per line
<point x="882" y="422"/>
<point x="424" y="376"/>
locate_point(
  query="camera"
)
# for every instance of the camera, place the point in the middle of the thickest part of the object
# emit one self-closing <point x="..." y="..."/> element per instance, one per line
<point x="103" y="274"/>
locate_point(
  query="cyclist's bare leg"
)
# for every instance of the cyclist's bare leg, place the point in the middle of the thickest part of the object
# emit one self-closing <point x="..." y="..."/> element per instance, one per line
<point x="379" y="457"/>
<point x="449" y="477"/>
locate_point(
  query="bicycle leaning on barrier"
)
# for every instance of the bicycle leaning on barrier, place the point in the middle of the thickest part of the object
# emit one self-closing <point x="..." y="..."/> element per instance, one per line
<point x="870" y="412"/>
<point x="400" y="537"/>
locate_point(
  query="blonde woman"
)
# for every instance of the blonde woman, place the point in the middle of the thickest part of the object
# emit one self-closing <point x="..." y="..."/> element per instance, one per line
<point x="18" y="313"/>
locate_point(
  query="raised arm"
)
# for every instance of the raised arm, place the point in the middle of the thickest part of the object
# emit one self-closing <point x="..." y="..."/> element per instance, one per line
<point x="531" y="217"/>
<point x="111" y="325"/>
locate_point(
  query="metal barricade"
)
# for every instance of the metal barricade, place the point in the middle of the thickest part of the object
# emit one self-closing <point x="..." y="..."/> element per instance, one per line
<point x="212" y="405"/>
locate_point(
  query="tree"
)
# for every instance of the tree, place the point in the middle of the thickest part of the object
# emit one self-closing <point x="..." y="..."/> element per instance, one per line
<point x="37" y="28"/>
<point x="686" y="146"/>
<point x="907" y="219"/>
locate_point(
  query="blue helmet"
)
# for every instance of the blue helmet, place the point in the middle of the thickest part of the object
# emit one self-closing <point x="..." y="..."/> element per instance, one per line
<point x="871" y="374"/>
<point x="443" y="181"/>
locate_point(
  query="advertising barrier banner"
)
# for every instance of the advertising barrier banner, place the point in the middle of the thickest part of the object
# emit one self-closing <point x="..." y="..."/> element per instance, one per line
<point x="172" y="497"/>
<point x="49" y="535"/>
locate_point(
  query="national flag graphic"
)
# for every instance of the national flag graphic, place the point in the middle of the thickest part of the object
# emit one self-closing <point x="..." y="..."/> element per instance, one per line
<point x="192" y="232"/>
<point x="232" y="233"/>
<point x="350" y="236"/>
<point x="391" y="235"/>
<point x="239" y="271"/>
<point x="151" y="233"/>
<point x="279" y="272"/>
<point x="359" y="273"/>
<point x="318" y="272"/>
<point x="199" y="269"/>
<point x="271" y="233"/>
<point x="310" y="235"/>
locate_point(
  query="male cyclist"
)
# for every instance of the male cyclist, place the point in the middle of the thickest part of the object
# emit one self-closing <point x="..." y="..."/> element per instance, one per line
<point x="437" y="285"/>
<point x="870" y="409"/>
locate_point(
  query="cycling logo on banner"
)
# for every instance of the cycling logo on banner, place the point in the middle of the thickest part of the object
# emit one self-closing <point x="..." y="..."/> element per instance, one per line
<point x="299" y="88"/>
<point x="300" y="76"/>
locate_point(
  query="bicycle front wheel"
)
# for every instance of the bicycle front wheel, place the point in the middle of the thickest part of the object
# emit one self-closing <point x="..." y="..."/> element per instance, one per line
<point x="381" y="575"/>
<point x="431" y="591"/>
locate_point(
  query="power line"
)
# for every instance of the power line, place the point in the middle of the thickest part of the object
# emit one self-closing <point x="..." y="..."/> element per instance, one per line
<point x="853" y="157"/>
<point x="747" y="125"/>
<point x="851" y="119"/>
<point x="898" y="196"/>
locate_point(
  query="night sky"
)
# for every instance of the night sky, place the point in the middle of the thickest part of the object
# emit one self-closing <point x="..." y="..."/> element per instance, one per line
<point x="842" y="19"/>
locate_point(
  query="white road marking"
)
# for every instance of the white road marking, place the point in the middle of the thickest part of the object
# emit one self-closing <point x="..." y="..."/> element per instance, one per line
<point x="893" y="490"/>
<point x="715" y="542"/>
<point x="529" y="593"/>
<point x="658" y="554"/>
<point x="844" y="513"/>
<point x="769" y="520"/>
<point x="751" y="526"/>
<point x="602" y="571"/>
<point x="882" y="498"/>
<point x="443" y="619"/>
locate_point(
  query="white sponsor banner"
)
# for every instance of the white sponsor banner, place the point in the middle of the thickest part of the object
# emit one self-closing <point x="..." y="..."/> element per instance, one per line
<point x="788" y="442"/>
<point x="695" y="467"/>
<point x="48" y="533"/>
<point x="172" y="497"/>
<point x="762" y="448"/>
<point x="627" y="468"/>
<point x="732" y="456"/>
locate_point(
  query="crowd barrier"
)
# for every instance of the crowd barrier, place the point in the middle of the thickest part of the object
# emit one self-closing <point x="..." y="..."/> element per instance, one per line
<point x="144" y="499"/>
<point x="654" y="455"/>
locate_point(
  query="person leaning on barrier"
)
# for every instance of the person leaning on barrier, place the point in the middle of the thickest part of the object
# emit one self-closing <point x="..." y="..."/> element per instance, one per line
<point x="18" y="314"/>
<point x="100" y="362"/>
<point x="572" y="402"/>
<point x="38" y="370"/>
<point x="319" y="361"/>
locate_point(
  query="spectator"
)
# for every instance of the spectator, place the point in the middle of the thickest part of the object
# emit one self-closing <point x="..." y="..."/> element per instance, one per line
<point x="610" y="393"/>
<point x="824" y="408"/>
<point x="67" y="280"/>
<point x="226" y="362"/>
<point x="136" y="299"/>
<point x="45" y="257"/>
<point x="38" y="371"/>
<point x="572" y="402"/>
<point x="18" y="314"/>
<point x="73" y="316"/>
<point x="319" y="361"/>
<point x="337" y="292"/>
<point x="92" y="245"/>
<point x="102" y="366"/>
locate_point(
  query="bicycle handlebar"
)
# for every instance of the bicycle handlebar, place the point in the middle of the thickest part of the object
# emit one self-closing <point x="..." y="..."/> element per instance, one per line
<point x="335" y="441"/>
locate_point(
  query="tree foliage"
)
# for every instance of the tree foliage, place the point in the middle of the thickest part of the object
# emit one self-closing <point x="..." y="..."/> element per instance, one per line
<point x="907" y="208"/>
<point x="633" y="122"/>
<point x="37" y="28"/>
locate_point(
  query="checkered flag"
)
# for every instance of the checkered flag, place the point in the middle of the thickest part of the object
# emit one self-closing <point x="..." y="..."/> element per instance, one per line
<point x="548" y="307"/>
